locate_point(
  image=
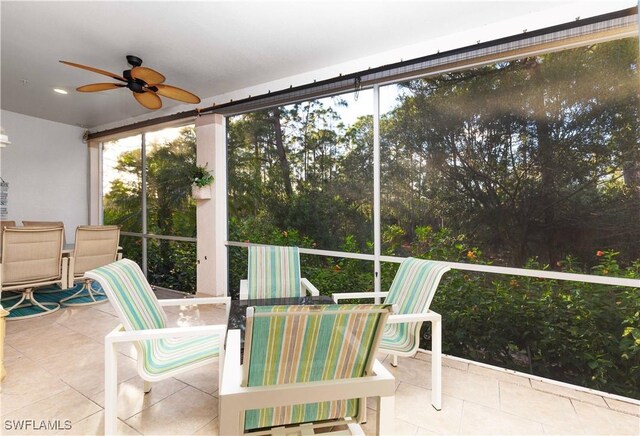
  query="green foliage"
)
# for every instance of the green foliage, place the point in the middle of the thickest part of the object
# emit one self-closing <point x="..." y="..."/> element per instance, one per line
<point x="580" y="333"/>
<point x="200" y="176"/>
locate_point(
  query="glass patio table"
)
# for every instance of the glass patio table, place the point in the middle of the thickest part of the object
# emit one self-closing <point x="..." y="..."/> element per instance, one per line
<point x="238" y="310"/>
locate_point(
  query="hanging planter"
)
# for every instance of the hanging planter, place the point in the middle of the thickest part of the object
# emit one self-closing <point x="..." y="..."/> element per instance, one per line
<point x="201" y="192"/>
<point x="202" y="180"/>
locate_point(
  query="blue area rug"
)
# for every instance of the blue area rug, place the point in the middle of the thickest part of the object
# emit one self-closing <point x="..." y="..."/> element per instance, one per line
<point x="49" y="294"/>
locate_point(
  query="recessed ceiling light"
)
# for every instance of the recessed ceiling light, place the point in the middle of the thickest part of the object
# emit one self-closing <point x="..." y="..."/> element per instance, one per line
<point x="60" y="91"/>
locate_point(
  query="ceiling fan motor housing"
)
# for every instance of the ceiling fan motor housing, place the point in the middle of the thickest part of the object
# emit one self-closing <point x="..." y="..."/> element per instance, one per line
<point x="134" y="61"/>
<point x="135" y="85"/>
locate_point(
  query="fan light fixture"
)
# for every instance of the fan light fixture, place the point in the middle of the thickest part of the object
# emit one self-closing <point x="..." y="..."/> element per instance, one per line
<point x="60" y="91"/>
<point x="144" y="83"/>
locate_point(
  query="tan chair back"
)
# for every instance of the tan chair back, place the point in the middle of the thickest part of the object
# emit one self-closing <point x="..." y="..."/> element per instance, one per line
<point x="96" y="246"/>
<point x="46" y="224"/>
<point x="31" y="255"/>
<point x="4" y="224"/>
<point x="43" y="223"/>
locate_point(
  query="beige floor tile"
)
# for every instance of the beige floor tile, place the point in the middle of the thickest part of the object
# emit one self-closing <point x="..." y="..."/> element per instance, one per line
<point x="46" y="341"/>
<point x="26" y="383"/>
<point x="92" y="323"/>
<point x="55" y="361"/>
<point x="94" y="425"/>
<point x="425" y="432"/>
<point x="471" y="387"/>
<point x="400" y="427"/>
<point x="500" y="375"/>
<point x="133" y="400"/>
<point x="413" y="371"/>
<point x="413" y="405"/>
<point x="568" y="392"/>
<point x="11" y="353"/>
<point x="599" y="420"/>
<point x="623" y="406"/>
<point x="82" y="356"/>
<point x="128" y="349"/>
<point x="59" y="410"/>
<point x="542" y="407"/>
<point x="181" y="413"/>
<point x="211" y="429"/>
<point x="452" y="363"/>
<point x="204" y="378"/>
<point x="25" y="325"/>
<point x="106" y="308"/>
<point x="78" y="312"/>
<point x="479" y="419"/>
<point x="89" y="380"/>
<point x="555" y="429"/>
<point x="24" y="335"/>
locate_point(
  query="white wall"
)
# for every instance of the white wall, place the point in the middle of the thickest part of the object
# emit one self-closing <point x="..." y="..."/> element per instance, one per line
<point x="46" y="166"/>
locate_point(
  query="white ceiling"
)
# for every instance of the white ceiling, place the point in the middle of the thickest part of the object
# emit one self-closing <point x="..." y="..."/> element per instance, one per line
<point x="210" y="48"/>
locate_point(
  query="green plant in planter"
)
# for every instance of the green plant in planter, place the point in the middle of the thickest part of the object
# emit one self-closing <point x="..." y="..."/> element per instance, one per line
<point x="201" y="177"/>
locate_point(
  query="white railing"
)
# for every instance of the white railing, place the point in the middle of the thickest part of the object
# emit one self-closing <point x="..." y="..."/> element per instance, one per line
<point x="541" y="274"/>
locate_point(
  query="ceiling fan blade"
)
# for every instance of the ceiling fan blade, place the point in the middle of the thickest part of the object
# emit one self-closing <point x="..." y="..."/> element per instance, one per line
<point x="95" y="70"/>
<point x="177" y="94"/>
<point x="147" y="75"/>
<point x="148" y="99"/>
<point x="94" y="87"/>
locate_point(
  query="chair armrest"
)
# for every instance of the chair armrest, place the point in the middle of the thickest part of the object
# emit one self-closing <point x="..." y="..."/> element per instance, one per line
<point x="244" y="289"/>
<point x="413" y="317"/>
<point x="190" y="301"/>
<point x="380" y="383"/>
<point x="306" y="284"/>
<point x="120" y="335"/>
<point x="355" y="295"/>
<point x="232" y="374"/>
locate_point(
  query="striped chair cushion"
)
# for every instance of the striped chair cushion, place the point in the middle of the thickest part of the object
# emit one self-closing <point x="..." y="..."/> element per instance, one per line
<point x="412" y="290"/>
<point x="130" y="294"/>
<point x="318" y="343"/>
<point x="274" y="272"/>
<point x="164" y="355"/>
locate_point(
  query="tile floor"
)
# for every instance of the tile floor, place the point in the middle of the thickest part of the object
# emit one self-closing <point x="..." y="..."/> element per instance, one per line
<point x="55" y="372"/>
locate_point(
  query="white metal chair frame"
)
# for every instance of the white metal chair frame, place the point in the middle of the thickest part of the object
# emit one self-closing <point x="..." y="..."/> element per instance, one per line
<point x="119" y="335"/>
<point x="305" y="285"/>
<point x="436" y="339"/>
<point x="235" y="398"/>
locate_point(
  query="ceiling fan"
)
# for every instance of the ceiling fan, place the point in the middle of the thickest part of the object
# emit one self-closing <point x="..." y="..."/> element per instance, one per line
<point x="144" y="83"/>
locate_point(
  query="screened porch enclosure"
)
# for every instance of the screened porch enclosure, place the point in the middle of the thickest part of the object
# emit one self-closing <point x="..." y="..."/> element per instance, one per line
<point x="523" y="173"/>
<point x="517" y="161"/>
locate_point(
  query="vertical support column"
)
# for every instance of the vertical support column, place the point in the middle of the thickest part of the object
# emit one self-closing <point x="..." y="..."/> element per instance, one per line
<point x="376" y="189"/>
<point x="94" y="194"/>
<point x="212" y="214"/>
<point x="143" y="193"/>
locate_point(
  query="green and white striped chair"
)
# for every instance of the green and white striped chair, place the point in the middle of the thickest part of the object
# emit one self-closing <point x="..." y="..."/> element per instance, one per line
<point x="274" y="272"/>
<point x="162" y="352"/>
<point x="309" y="366"/>
<point x="412" y="290"/>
